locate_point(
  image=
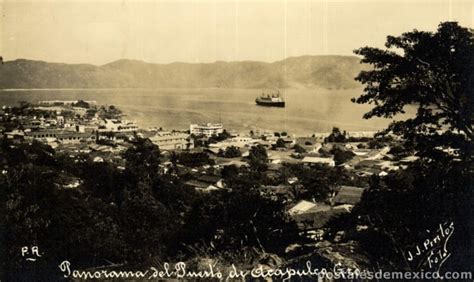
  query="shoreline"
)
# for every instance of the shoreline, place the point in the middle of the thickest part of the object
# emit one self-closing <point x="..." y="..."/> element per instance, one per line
<point x="173" y="88"/>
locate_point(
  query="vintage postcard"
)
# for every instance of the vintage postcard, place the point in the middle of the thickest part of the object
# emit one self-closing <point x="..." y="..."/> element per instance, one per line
<point x="236" y="140"/>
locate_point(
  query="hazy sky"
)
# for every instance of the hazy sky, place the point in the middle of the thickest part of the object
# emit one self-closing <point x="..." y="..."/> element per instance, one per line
<point x="99" y="32"/>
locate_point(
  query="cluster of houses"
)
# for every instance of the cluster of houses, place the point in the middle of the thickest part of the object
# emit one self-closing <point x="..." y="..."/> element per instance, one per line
<point x="67" y="128"/>
<point x="313" y="216"/>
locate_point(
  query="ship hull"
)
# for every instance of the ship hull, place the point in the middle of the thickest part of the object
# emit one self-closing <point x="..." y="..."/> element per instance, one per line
<point x="270" y="104"/>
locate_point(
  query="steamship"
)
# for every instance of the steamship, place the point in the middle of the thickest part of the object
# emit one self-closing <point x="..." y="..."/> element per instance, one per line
<point x="270" y="100"/>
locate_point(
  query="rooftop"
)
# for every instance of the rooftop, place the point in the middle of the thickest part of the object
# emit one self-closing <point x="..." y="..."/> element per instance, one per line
<point x="349" y="195"/>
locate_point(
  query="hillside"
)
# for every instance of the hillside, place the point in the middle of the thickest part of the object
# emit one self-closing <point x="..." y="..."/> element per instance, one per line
<point x="333" y="72"/>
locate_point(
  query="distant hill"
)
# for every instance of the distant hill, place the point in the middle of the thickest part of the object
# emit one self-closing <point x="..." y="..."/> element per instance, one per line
<point x="332" y="72"/>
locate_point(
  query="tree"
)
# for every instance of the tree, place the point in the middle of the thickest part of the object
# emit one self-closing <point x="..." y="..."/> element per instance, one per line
<point x="143" y="159"/>
<point x="299" y="149"/>
<point x="341" y="156"/>
<point x="230" y="221"/>
<point x="375" y="143"/>
<point x="280" y="143"/>
<point x="316" y="183"/>
<point x="194" y="159"/>
<point x="258" y="158"/>
<point x="37" y="210"/>
<point x="147" y="226"/>
<point x="230" y="152"/>
<point x="81" y="104"/>
<point x="431" y="71"/>
<point x="90" y="113"/>
<point x="219" y="137"/>
<point x="111" y="112"/>
<point x="403" y="207"/>
<point x="229" y="171"/>
<point x="336" y="136"/>
<point x="101" y="179"/>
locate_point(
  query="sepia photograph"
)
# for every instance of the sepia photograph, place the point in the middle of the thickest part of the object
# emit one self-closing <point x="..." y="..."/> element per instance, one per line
<point x="236" y="140"/>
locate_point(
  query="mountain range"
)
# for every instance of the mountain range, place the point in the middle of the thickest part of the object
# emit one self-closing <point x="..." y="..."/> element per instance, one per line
<point x="331" y="72"/>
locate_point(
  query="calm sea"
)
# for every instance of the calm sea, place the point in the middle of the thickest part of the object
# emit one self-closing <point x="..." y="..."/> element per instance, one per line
<point x="306" y="111"/>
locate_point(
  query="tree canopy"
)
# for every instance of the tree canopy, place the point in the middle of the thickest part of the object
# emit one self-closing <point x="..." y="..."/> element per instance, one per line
<point x="433" y="72"/>
<point x="230" y="152"/>
<point x="258" y="158"/>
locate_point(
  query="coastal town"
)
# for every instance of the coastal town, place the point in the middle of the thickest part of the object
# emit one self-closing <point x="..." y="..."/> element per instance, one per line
<point x="204" y="152"/>
<point x="236" y="140"/>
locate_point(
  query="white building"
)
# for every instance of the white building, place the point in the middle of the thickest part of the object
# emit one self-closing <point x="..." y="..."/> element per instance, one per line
<point x="115" y="125"/>
<point x="172" y="140"/>
<point x="61" y="136"/>
<point x="85" y="128"/>
<point x="317" y="160"/>
<point x="207" y="129"/>
<point x="238" y="142"/>
<point x="360" y="134"/>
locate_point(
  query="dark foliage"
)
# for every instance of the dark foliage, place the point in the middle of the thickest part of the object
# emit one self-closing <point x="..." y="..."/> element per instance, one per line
<point x="314" y="183"/>
<point x="194" y="159"/>
<point x="258" y="158"/>
<point x="230" y="152"/>
<point x="110" y="112"/>
<point x="299" y="149"/>
<point x="434" y="73"/>
<point x="220" y="137"/>
<point x="123" y="216"/>
<point x="237" y="219"/>
<point x="336" y="136"/>
<point x="280" y="143"/>
<point x="81" y="104"/>
<point x="341" y="156"/>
